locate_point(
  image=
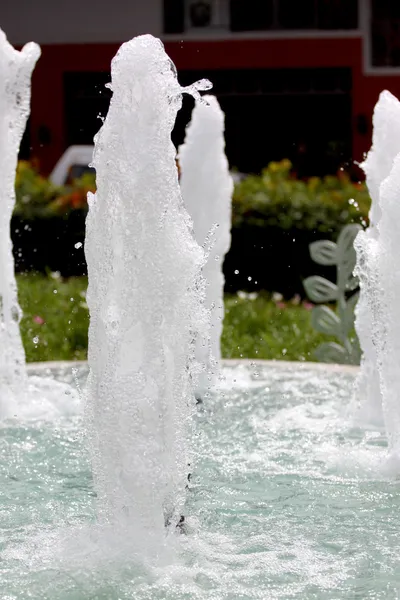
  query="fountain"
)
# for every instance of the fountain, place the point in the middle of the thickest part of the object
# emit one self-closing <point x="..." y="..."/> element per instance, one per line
<point x="207" y="192"/>
<point x="377" y="269"/>
<point x="15" y="73"/>
<point x="20" y="396"/>
<point x="287" y="497"/>
<point x="377" y="167"/>
<point x="145" y="298"/>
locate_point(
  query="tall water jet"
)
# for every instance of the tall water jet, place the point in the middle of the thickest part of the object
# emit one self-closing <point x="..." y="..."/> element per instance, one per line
<point x="15" y="75"/>
<point x="145" y="298"/>
<point x="385" y="287"/>
<point x="377" y="166"/>
<point x="207" y="192"/>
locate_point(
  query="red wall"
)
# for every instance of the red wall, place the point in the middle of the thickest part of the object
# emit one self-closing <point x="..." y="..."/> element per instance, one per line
<point x="47" y="92"/>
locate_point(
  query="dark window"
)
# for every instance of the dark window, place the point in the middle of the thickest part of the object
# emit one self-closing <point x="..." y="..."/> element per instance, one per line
<point x="261" y="15"/>
<point x="174" y="16"/>
<point x="293" y="14"/>
<point x="337" y="14"/>
<point x="247" y="15"/>
<point x="385" y="33"/>
<point x="385" y="9"/>
<point x="301" y="114"/>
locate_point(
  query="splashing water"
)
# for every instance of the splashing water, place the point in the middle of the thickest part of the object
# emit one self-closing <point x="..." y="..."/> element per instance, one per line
<point x="15" y="74"/>
<point x="145" y="298"/>
<point x="207" y="192"/>
<point x="377" y="251"/>
<point x="385" y="146"/>
<point x="288" y="493"/>
<point x="387" y="316"/>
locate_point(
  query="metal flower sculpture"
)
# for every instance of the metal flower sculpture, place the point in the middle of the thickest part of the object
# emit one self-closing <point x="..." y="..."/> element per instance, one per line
<point x="338" y="323"/>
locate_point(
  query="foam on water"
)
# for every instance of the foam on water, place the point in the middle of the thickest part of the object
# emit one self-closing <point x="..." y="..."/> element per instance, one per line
<point x="207" y="192"/>
<point x="145" y="299"/>
<point x="287" y="499"/>
<point x="15" y="93"/>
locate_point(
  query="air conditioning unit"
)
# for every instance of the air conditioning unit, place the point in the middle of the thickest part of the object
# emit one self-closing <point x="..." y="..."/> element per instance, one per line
<point x="200" y="13"/>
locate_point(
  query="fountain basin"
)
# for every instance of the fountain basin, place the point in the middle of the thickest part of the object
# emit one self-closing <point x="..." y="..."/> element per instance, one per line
<point x="288" y="498"/>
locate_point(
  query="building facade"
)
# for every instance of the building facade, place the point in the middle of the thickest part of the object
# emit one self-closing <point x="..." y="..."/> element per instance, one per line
<point x="294" y="82"/>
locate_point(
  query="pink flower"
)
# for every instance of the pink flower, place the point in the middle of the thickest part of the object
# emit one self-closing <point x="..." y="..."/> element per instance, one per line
<point x="38" y="320"/>
<point x="281" y="305"/>
<point x="308" y="305"/>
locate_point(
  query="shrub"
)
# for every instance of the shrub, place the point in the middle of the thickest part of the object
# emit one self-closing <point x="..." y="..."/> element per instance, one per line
<point x="74" y="196"/>
<point x="37" y="197"/>
<point x="275" y="217"/>
<point x="273" y="199"/>
<point x="276" y="199"/>
<point x="34" y="193"/>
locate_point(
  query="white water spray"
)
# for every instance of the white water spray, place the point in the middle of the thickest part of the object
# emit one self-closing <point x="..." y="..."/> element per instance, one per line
<point x="145" y="298"/>
<point x="15" y="75"/>
<point x="377" y="167"/>
<point x="385" y="255"/>
<point x="207" y="192"/>
<point x="378" y="249"/>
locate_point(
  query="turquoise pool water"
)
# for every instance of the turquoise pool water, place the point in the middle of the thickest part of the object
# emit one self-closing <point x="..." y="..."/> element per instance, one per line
<point x="288" y="499"/>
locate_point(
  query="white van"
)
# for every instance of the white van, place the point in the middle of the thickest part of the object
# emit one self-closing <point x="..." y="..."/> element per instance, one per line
<point x="73" y="164"/>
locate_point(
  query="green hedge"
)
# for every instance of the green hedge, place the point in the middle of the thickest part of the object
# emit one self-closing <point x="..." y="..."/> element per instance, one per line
<point x="276" y="199"/>
<point x="273" y="199"/>
<point x="274" y="219"/>
<point x="38" y="198"/>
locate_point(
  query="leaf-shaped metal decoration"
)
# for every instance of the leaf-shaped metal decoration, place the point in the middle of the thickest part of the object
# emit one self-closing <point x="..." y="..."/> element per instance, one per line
<point x="339" y="324"/>
<point x="330" y="352"/>
<point x="348" y="313"/>
<point x="324" y="252"/>
<point x="346" y="254"/>
<point x="324" y="320"/>
<point x="319" y="289"/>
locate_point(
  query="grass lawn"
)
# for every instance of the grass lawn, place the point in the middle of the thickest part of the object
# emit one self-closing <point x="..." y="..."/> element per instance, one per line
<point x="55" y="322"/>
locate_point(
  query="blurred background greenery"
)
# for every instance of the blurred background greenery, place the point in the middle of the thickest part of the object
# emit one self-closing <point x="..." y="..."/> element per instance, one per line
<point x="275" y="216"/>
